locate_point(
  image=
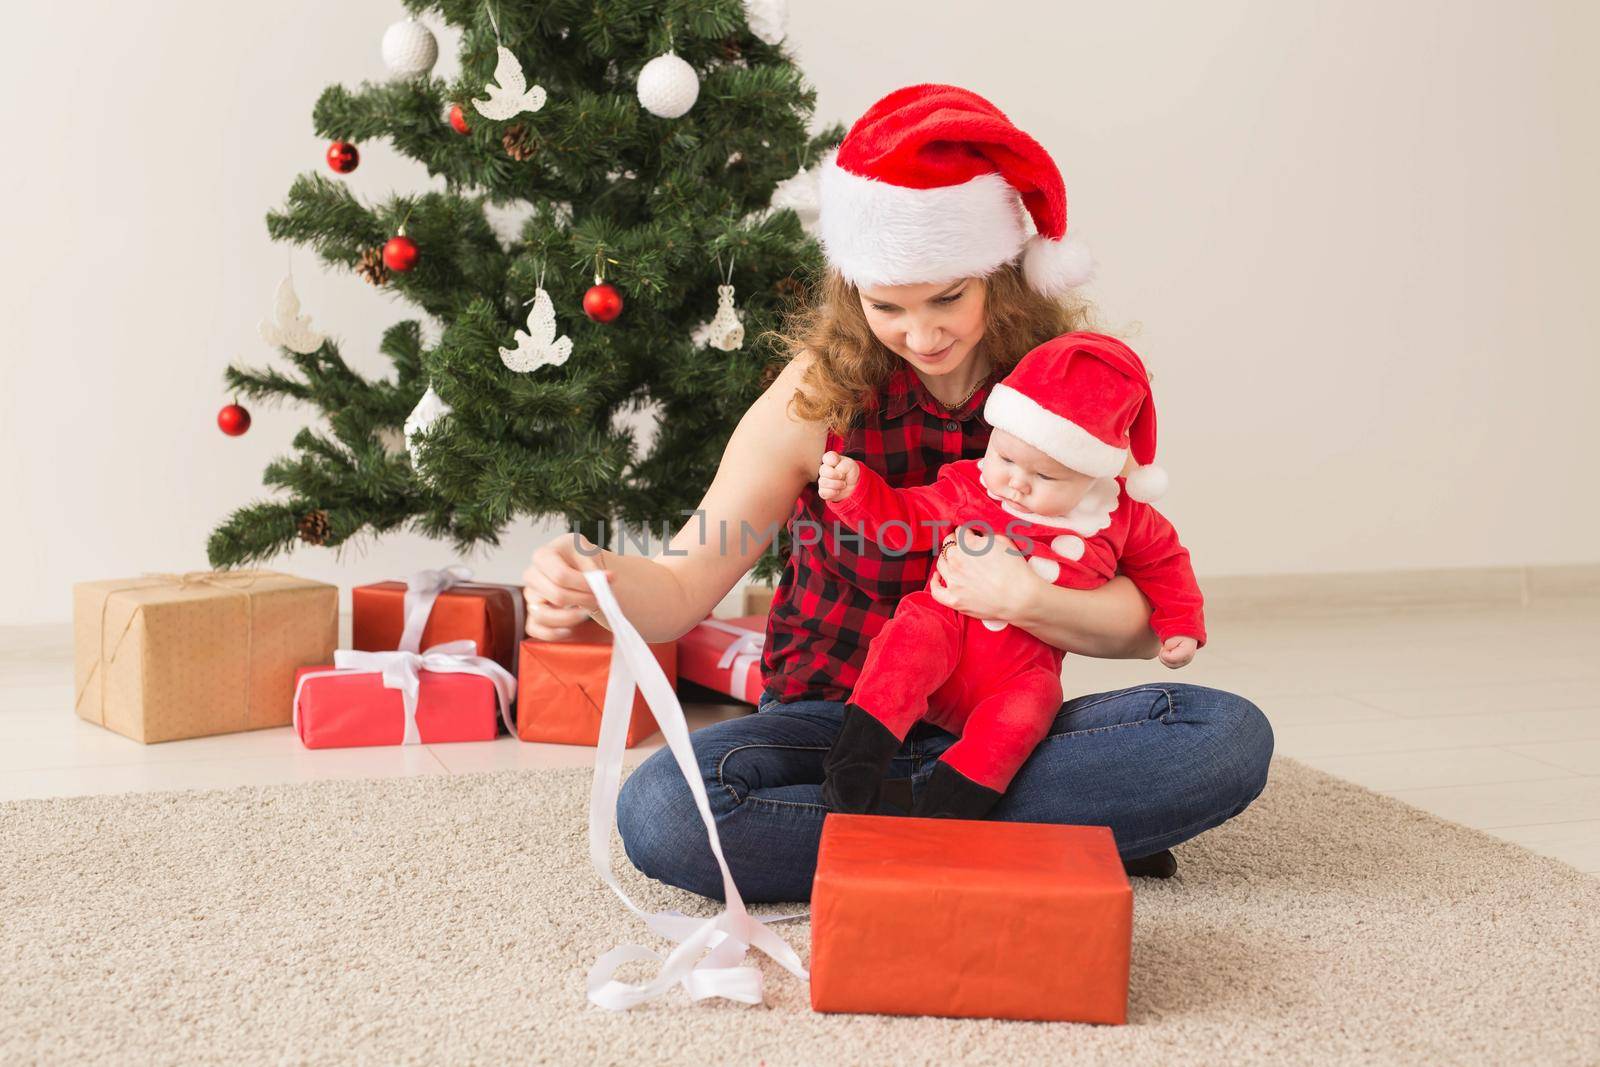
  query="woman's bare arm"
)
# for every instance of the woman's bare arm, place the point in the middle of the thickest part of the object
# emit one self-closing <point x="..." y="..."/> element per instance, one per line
<point x="768" y="460"/>
<point x="1108" y="622"/>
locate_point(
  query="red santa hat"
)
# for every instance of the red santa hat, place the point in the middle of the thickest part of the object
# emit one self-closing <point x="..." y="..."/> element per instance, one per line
<point x="934" y="183"/>
<point x="1084" y="400"/>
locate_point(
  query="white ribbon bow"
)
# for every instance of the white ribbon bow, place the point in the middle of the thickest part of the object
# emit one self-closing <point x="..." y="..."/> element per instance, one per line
<point x="743" y="654"/>
<point x="423" y="589"/>
<point x="709" y="960"/>
<point x="402" y="670"/>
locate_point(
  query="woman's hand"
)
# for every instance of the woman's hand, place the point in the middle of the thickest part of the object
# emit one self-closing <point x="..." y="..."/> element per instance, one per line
<point x="837" y="477"/>
<point x="558" y="596"/>
<point x="983" y="575"/>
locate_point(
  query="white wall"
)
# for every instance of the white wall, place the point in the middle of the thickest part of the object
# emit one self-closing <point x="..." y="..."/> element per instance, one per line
<point x="1355" y="241"/>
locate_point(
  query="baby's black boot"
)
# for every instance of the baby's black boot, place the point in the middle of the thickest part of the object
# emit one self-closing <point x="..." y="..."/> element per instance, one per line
<point x="853" y="772"/>
<point x="950" y="794"/>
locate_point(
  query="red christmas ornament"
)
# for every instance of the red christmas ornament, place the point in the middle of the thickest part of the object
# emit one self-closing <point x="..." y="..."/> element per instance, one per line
<point x="602" y="303"/>
<point x="343" y="157"/>
<point x="458" y="120"/>
<point x="233" y="420"/>
<point x="400" y="253"/>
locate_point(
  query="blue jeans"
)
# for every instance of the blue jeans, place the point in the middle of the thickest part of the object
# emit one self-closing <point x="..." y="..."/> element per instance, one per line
<point x="1156" y="763"/>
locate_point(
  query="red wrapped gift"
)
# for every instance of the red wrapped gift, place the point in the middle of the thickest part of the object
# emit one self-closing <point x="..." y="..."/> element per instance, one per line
<point x="402" y="698"/>
<point x="433" y="607"/>
<point x="954" y="917"/>
<point x="561" y="688"/>
<point x="725" y="655"/>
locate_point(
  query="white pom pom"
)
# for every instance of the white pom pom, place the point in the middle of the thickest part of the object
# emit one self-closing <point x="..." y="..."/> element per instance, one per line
<point x="1147" y="484"/>
<point x="1054" y="267"/>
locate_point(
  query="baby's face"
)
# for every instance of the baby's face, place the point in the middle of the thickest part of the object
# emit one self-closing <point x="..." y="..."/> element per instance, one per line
<point x="1015" y="471"/>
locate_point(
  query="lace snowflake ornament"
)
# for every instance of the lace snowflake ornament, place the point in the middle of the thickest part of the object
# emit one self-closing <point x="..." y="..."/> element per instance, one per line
<point x="539" y="346"/>
<point x="509" y="93"/>
<point x="288" y="328"/>
<point x="726" y="332"/>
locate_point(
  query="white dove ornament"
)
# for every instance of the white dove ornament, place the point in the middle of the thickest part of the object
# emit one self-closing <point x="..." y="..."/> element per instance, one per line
<point x="509" y="93"/>
<point x="288" y="328"/>
<point x="539" y="346"/>
<point x="726" y="331"/>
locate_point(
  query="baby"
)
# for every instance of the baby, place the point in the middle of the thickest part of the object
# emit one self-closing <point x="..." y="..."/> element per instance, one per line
<point x="1065" y="421"/>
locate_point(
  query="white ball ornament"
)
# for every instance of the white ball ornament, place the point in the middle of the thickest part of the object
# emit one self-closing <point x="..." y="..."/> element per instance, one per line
<point x="409" y="49"/>
<point x="668" y="87"/>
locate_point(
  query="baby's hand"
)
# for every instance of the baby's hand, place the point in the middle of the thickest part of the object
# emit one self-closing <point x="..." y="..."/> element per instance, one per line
<point x="1178" y="651"/>
<point x="838" y="476"/>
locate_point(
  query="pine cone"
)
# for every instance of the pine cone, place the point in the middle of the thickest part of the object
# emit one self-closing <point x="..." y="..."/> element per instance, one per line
<point x="730" y="48"/>
<point x="314" y="527"/>
<point x="371" y="266"/>
<point x="517" y="144"/>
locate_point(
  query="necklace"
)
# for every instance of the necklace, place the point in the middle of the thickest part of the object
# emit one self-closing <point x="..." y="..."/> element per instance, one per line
<point x="963" y="401"/>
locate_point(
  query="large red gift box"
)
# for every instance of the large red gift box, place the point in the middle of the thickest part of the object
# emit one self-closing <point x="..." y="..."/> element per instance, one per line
<point x="725" y="655"/>
<point x="954" y="917"/>
<point x="561" y="688"/>
<point x="481" y="613"/>
<point x="350" y="709"/>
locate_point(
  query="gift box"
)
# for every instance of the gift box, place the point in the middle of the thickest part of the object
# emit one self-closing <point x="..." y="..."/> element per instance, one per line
<point x="398" y="698"/>
<point x="436" y="607"/>
<point x="166" y="657"/>
<point x="561" y="688"/>
<point x="963" y="918"/>
<point x="725" y="655"/>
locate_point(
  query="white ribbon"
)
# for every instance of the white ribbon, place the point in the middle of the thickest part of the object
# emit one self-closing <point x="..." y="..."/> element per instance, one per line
<point x="709" y="960"/>
<point x="743" y="654"/>
<point x="423" y="589"/>
<point x="401" y="670"/>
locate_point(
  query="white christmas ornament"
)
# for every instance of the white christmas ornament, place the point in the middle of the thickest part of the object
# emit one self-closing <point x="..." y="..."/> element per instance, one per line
<point x="539" y="346"/>
<point x="668" y="87"/>
<point x="768" y="19"/>
<point x="409" y="49"/>
<point x="288" y="328"/>
<point x="800" y="193"/>
<point x="726" y="332"/>
<point x="429" y="410"/>
<point x="509" y="93"/>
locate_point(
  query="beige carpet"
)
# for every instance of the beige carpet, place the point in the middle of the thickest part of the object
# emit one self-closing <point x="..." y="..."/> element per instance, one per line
<point x="450" y="920"/>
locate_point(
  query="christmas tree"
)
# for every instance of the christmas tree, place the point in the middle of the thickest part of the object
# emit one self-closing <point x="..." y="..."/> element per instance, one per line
<point x="561" y="109"/>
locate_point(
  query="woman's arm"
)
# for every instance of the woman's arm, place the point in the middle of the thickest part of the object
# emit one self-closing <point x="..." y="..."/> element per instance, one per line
<point x="768" y="460"/>
<point x="1110" y="622"/>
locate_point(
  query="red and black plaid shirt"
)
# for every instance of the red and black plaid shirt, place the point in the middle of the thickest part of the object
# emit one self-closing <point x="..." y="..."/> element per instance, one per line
<point x="837" y="593"/>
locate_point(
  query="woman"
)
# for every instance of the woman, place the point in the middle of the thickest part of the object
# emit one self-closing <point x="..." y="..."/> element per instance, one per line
<point x="934" y="291"/>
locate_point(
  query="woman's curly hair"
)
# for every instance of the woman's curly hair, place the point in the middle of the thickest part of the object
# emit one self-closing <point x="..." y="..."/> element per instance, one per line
<point x="852" y="366"/>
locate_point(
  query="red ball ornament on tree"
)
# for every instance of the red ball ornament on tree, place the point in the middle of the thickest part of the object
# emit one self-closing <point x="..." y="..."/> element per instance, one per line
<point x="233" y="420"/>
<point x="400" y="253"/>
<point x="602" y="302"/>
<point x="343" y="157"/>
<point x="458" y="120"/>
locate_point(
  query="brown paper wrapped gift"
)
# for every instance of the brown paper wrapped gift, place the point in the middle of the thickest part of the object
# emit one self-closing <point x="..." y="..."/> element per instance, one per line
<point x="166" y="657"/>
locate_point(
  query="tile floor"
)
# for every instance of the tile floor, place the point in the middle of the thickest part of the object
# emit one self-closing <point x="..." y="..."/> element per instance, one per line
<point x="1486" y="717"/>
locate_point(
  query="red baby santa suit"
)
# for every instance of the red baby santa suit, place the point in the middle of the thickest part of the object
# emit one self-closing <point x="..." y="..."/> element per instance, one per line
<point x="1084" y="399"/>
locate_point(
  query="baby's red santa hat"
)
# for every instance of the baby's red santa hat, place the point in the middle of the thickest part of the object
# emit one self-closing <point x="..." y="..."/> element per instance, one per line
<point x="1084" y="400"/>
<point x="933" y="184"/>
